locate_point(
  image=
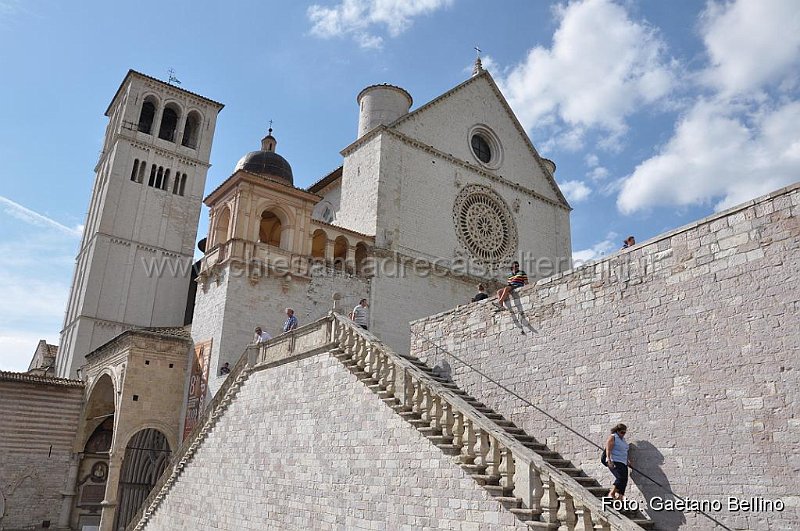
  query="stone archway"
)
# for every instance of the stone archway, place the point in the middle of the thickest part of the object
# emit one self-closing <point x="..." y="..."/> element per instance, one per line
<point x="146" y="457"/>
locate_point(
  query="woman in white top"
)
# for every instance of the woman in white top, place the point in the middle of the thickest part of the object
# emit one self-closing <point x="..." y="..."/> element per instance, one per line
<point x="360" y="314"/>
<point x="617" y="459"/>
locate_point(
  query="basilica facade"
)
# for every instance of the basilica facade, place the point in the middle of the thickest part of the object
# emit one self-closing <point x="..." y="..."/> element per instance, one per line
<point x="426" y="204"/>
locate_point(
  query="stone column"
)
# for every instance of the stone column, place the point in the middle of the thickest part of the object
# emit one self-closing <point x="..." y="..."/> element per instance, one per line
<point x="109" y="503"/>
<point x="68" y="496"/>
<point x="329" y="250"/>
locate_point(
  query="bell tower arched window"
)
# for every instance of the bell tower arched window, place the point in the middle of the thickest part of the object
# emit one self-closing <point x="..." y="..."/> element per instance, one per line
<point x="147" y="114"/>
<point x="191" y="131"/>
<point x="169" y="123"/>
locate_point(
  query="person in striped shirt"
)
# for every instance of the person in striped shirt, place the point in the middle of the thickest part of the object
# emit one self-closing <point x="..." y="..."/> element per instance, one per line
<point x="515" y="280"/>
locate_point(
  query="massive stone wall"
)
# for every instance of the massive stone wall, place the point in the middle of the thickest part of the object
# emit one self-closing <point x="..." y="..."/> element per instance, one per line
<point x="229" y="306"/>
<point x="692" y="339"/>
<point x="306" y="445"/>
<point x="37" y="426"/>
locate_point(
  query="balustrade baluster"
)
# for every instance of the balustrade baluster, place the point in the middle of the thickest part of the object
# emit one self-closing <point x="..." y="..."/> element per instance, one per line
<point x="391" y="374"/>
<point x="584" y="515"/>
<point x="506" y="468"/>
<point x="408" y="389"/>
<point x="419" y="396"/>
<point x="436" y="411"/>
<point x="468" y="448"/>
<point x="458" y="428"/>
<point x="493" y="458"/>
<point x="446" y="422"/>
<point x="361" y="354"/>
<point x="425" y="406"/>
<point x="549" y="503"/>
<point x="482" y="447"/>
<point x="381" y="364"/>
<point x="566" y="510"/>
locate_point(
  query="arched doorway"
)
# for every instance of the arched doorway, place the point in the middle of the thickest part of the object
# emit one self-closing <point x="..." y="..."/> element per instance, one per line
<point x="98" y="435"/>
<point x="340" y="246"/>
<point x="146" y="457"/>
<point x="221" y="226"/>
<point x="318" y="244"/>
<point x="269" y="230"/>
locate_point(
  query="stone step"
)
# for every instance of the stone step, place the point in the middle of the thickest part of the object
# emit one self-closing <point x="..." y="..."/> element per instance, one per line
<point x="535" y="524"/>
<point x="440" y="439"/>
<point x="644" y="523"/>
<point x="572" y="471"/>
<point x="598" y="492"/>
<point x="509" y="502"/>
<point x="449" y="449"/>
<point x="587" y="481"/>
<point x="471" y="468"/>
<point x="499" y="491"/>
<point x="558" y="463"/>
<point x="485" y="479"/>
<point x="427" y="431"/>
<point x="526" y="514"/>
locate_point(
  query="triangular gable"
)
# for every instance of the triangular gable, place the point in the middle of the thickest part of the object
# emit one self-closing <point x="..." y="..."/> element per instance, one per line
<point x="401" y="124"/>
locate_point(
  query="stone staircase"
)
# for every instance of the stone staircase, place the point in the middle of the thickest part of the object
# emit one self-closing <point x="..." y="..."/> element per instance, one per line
<point x="549" y="493"/>
<point x="543" y="490"/>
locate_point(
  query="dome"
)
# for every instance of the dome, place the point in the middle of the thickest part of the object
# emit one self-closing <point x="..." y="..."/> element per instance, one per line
<point x="266" y="163"/>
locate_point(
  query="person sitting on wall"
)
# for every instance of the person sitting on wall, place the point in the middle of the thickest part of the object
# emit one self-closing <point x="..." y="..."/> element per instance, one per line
<point x="291" y="322"/>
<point x="630" y="241"/>
<point x="225" y="369"/>
<point x="261" y="336"/>
<point x="360" y="314"/>
<point x="515" y="280"/>
<point x="481" y="295"/>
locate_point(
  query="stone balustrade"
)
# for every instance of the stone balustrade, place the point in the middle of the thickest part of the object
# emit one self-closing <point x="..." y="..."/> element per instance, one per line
<point x="518" y="471"/>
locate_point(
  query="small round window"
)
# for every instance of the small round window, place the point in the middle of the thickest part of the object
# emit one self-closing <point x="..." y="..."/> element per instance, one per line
<point x="481" y="149"/>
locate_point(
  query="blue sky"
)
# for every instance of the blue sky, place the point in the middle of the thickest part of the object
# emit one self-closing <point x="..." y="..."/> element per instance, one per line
<point x="657" y="113"/>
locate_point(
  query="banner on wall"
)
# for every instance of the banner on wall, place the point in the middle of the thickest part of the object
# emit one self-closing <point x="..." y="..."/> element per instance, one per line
<point x="198" y="384"/>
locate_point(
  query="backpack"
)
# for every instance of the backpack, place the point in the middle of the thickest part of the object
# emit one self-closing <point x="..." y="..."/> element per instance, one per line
<point x="603" y="458"/>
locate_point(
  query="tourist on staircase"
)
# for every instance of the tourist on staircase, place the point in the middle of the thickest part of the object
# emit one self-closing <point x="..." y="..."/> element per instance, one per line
<point x="360" y="314"/>
<point x="617" y="460"/>
<point x="291" y="322"/>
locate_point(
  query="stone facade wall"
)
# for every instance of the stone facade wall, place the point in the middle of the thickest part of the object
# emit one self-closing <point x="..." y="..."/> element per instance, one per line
<point x="37" y="427"/>
<point x="305" y="445"/>
<point x="691" y="339"/>
<point x="228" y="310"/>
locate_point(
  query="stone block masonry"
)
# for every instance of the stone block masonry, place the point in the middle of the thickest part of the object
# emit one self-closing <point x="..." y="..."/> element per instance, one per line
<point x="692" y="339"/>
<point x="306" y="445"/>
<point x="37" y="427"/>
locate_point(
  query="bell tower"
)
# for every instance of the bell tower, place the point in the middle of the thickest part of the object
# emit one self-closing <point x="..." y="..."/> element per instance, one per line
<point x="133" y="267"/>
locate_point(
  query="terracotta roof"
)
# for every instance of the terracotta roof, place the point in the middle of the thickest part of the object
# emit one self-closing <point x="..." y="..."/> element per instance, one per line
<point x="52" y="350"/>
<point x="325" y="181"/>
<point x="151" y="78"/>
<point x="9" y="376"/>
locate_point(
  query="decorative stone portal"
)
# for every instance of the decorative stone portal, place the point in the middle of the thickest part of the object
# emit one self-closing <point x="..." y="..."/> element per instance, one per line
<point x="146" y="456"/>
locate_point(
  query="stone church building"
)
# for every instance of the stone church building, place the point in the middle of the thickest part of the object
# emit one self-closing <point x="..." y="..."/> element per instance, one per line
<point x="158" y="411"/>
<point x="426" y="204"/>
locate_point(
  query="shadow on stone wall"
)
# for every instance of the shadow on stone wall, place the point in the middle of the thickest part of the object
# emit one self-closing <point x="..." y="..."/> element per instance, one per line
<point x="518" y="315"/>
<point x="649" y="460"/>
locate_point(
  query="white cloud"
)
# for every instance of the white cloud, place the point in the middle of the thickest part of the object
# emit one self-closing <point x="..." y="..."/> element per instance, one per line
<point x="740" y="142"/>
<point x="719" y="154"/>
<point x="575" y="191"/>
<point x="34" y="280"/>
<point x="602" y="67"/>
<point x="598" y="173"/>
<point x="358" y="17"/>
<point x="750" y="43"/>
<point x="596" y="251"/>
<point x="34" y="218"/>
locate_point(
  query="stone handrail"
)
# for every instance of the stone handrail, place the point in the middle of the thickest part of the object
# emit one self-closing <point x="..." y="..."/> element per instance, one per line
<point x="519" y="469"/>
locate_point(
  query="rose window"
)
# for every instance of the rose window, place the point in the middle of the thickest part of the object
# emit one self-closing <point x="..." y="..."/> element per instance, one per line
<point x="484" y="224"/>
